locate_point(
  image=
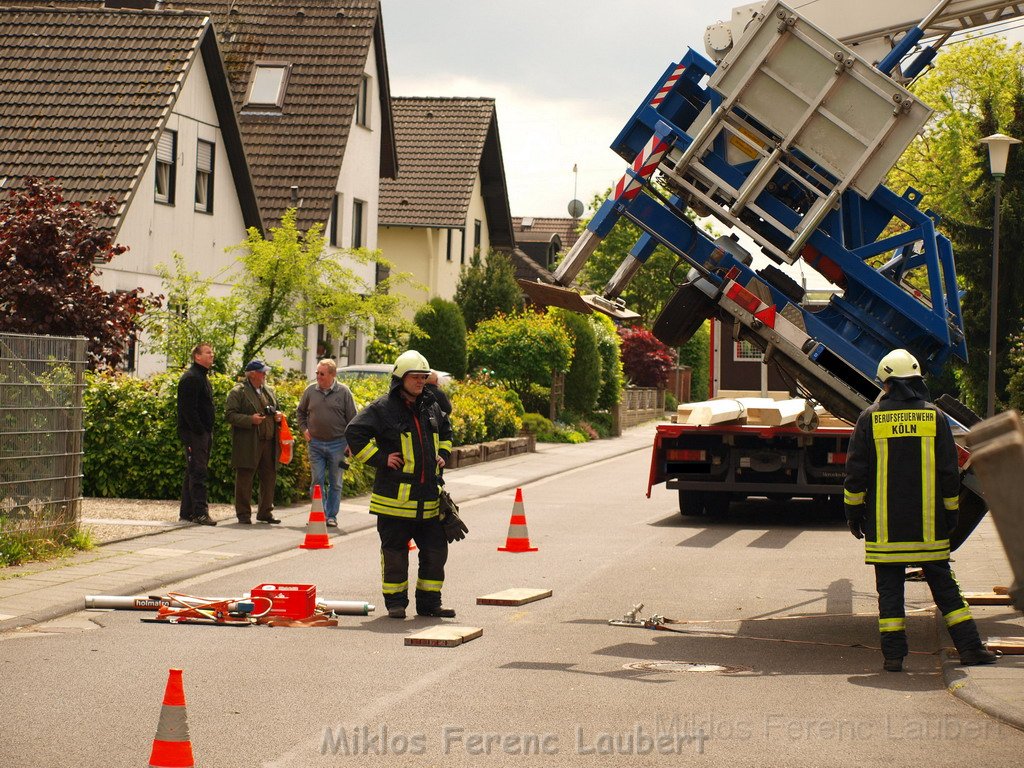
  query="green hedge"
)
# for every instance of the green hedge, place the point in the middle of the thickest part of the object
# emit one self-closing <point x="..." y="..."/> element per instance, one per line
<point x="132" y="448"/>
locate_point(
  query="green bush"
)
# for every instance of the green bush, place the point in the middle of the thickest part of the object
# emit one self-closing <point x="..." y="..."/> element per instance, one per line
<point x="482" y="411"/>
<point x="671" y="404"/>
<point x="521" y="349"/>
<point x="441" y="336"/>
<point x="583" y="379"/>
<point x="132" y="450"/>
<point x="537" y="399"/>
<point x="608" y="347"/>
<point x="547" y="431"/>
<point x="488" y="287"/>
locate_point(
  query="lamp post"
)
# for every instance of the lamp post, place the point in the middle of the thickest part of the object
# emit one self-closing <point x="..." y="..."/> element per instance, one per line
<point x="998" y="153"/>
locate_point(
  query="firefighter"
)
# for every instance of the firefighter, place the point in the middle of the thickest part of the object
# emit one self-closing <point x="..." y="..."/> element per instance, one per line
<point x="902" y="497"/>
<point x="406" y="437"/>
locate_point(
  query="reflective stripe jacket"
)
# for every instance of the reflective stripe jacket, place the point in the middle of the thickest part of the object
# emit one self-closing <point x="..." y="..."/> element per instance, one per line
<point x="902" y="479"/>
<point x="420" y="434"/>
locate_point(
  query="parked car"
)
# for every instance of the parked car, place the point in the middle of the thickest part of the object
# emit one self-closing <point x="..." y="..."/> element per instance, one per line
<point x="369" y="370"/>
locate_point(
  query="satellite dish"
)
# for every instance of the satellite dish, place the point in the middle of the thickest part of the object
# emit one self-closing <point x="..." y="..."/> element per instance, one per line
<point x="575" y="208"/>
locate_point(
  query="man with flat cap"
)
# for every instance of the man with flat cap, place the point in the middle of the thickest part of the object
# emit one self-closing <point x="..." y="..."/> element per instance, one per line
<point x="251" y="410"/>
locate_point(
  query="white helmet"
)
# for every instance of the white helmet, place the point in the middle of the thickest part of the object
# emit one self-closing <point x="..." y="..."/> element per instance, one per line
<point x="410" y="362"/>
<point x="898" y="364"/>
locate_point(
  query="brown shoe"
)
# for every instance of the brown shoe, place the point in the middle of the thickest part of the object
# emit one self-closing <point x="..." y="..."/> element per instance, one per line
<point x="204" y="520"/>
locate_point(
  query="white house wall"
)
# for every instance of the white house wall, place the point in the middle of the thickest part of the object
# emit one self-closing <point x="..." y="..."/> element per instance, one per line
<point x="155" y="231"/>
<point x="358" y="179"/>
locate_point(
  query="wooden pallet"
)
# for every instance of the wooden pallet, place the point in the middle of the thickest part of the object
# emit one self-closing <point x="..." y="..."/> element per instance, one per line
<point x="444" y="636"/>
<point x="514" y="596"/>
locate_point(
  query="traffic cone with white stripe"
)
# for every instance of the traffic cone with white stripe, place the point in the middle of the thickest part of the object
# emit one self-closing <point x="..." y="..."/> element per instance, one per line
<point x="518" y="539"/>
<point x="316" y="528"/>
<point x="171" y="747"/>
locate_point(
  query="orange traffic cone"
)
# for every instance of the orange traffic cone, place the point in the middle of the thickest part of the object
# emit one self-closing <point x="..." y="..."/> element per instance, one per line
<point x="518" y="539"/>
<point x="171" y="747"/>
<point x="412" y="547"/>
<point x="316" y="528"/>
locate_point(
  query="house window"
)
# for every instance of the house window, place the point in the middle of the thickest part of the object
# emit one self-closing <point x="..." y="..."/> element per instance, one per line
<point x="358" y="207"/>
<point x="204" y="176"/>
<point x="166" y="152"/>
<point x="363" y="102"/>
<point x="335" y="229"/>
<point x="477" y="235"/>
<point x="744" y="351"/>
<point x="267" y="88"/>
<point x="448" y="237"/>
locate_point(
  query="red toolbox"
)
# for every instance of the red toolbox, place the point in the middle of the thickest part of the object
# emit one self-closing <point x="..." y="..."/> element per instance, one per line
<point x="292" y="601"/>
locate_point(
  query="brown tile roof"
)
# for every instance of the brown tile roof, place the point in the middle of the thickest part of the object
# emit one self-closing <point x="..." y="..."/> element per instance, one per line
<point x="85" y="93"/>
<point x="327" y="43"/>
<point x="528" y="269"/>
<point x="442" y="144"/>
<point x="564" y="227"/>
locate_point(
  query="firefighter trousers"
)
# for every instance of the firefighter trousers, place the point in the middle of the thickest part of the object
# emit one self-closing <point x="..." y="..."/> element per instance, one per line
<point x="889" y="581"/>
<point x="428" y="535"/>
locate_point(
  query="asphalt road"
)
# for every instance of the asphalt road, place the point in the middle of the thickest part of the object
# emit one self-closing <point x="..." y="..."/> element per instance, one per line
<point x="775" y="664"/>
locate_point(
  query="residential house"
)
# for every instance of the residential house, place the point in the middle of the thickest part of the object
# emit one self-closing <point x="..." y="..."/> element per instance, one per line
<point x="450" y="199"/>
<point x="133" y="107"/>
<point x="544" y="238"/>
<point x="310" y="86"/>
<point x="310" y="83"/>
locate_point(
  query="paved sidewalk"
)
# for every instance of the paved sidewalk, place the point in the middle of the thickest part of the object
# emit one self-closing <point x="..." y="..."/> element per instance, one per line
<point x="42" y="591"/>
<point x="38" y="592"/>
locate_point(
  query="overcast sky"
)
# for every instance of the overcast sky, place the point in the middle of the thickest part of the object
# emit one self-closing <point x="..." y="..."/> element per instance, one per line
<point x="566" y="76"/>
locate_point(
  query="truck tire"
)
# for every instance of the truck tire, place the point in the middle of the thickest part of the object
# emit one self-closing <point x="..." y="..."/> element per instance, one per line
<point x="717" y="504"/>
<point x="691" y="503"/>
<point x="783" y="283"/>
<point x="683" y="315"/>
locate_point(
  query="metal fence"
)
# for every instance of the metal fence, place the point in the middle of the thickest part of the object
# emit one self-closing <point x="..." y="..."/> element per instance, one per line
<point x="41" y="387"/>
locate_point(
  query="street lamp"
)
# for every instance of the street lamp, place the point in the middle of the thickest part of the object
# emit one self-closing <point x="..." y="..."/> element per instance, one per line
<point x="998" y="153"/>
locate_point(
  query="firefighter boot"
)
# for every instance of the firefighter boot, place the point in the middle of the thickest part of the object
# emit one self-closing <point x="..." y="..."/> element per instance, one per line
<point x="977" y="656"/>
<point x="893" y="665"/>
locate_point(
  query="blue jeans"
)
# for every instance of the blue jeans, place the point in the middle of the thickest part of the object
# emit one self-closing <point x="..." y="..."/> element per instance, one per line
<point x="324" y="456"/>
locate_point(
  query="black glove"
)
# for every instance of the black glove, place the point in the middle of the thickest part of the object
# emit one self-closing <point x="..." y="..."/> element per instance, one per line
<point x="952" y="518"/>
<point x="855" y="528"/>
<point x="454" y="528"/>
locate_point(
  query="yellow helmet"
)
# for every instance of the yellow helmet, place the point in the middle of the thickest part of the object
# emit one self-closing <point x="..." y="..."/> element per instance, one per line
<point x="410" y="362"/>
<point x="898" y="364"/>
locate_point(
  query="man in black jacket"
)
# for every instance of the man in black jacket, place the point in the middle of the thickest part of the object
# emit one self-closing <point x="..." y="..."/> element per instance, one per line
<point x="406" y="437"/>
<point x="902" y="497"/>
<point x="195" y="428"/>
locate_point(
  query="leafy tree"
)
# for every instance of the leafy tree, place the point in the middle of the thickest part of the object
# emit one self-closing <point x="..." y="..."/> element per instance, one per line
<point x="583" y="379"/>
<point x="441" y="336"/>
<point x="968" y="80"/>
<point x="282" y="285"/>
<point x="487" y="288"/>
<point x="521" y="349"/>
<point x="646" y="361"/>
<point x="650" y="288"/>
<point x="49" y="249"/>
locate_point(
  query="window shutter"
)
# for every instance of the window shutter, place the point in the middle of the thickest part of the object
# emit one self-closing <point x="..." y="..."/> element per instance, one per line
<point x="204" y="156"/>
<point x="165" y="147"/>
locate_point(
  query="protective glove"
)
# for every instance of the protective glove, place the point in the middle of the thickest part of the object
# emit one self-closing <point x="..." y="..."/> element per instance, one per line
<point x="952" y="518"/>
<point x="454" y="528"/>
<point x="855" y="528"/>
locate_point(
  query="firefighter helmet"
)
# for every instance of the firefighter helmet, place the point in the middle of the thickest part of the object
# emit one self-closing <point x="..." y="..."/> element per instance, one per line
<point x="898" y="364"/>
<point x="410" y="362"/>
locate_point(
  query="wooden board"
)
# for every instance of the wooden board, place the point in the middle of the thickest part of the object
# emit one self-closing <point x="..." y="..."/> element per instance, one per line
<point x="1009" y="646"/>
<point x="986" y="598"/>
<point x="444" y="636"/>
<point x="514" y="596"/>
